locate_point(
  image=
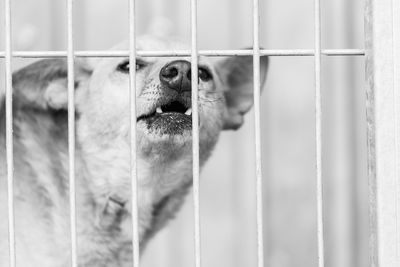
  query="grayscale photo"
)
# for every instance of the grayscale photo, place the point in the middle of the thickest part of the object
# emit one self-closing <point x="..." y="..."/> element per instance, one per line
<point x="199" y="133"/>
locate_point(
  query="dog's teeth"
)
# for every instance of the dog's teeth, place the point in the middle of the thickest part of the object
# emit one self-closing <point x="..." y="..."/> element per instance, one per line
<point x="189" y="112"/>
<point x="159" y="110"/>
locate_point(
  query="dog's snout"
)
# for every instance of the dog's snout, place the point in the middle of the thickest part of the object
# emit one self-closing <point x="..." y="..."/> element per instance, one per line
<point x="176" y="75"/>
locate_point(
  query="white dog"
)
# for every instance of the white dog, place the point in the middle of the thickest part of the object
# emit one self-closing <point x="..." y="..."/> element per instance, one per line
<point x="102" y="149"/>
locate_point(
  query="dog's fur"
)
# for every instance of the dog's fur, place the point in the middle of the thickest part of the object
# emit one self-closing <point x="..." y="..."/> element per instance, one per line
<point x="102" y="153"/>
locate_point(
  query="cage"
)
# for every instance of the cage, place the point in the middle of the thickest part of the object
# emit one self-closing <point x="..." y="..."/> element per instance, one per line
<point x="323" y="134"/>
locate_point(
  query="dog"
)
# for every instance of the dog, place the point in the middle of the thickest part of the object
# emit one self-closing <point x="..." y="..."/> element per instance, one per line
<point x="103" y="182"/>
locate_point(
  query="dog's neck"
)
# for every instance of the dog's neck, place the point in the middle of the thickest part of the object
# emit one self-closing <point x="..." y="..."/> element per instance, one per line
<point x="108" y="175"/>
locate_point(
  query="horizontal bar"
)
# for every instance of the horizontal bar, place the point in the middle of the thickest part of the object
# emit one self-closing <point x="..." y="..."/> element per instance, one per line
<point x="343" y="52"/>
<point x="186" y="53"/>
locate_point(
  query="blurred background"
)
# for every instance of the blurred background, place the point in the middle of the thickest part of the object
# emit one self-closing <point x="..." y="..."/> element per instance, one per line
<point x="288" y="130"/>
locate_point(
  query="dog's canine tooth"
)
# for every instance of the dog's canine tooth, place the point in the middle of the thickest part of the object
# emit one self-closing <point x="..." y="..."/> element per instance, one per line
<point x="159" y="110"/>
<point x="189" y="111"/>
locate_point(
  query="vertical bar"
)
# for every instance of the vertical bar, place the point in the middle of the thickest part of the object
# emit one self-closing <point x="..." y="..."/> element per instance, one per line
<point x="257" y="131"/>
<point x="396" y="97"/>
<point x="382" y="73"/>
<point x="318" y="133"/>
<point x="71" y="131"/>
<point x="195" y="130"/>
<point x="9" y="134"/>
<point x="133" y="163"/>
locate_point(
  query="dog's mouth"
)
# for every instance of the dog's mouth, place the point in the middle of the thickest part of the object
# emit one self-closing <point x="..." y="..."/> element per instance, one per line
<point x="171" y="118"/>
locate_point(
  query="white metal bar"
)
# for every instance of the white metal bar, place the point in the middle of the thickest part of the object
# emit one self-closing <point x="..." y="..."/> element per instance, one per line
<point x="133" y="149"/>
<point x="71" y="132"/>
<point x="257" y="132"/>
<point x="396" y="97"/>
<point x="343" y="52"/>
<point x="382" y="73"/>
<point x="195" y="131"/>
<point x="318" y="133"/>
<point x="186" y="53"/>
<point x="9" y="134"/>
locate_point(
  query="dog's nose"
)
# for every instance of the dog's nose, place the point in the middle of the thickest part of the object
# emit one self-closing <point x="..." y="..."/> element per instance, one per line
<point x="176" y="75"/>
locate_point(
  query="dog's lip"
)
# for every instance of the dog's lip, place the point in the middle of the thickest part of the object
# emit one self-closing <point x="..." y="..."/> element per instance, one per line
<point x="178" y="106"/>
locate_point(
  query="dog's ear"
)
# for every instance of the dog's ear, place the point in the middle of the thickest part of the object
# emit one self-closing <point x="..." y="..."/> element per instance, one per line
<point x="43" y="84"/>
<point x="237" y="75"/>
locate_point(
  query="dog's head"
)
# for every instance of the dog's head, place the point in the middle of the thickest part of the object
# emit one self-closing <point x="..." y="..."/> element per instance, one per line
<point x="164" y="117"/>
<point x="163" y="95"/>
<point x="163" y="89"/>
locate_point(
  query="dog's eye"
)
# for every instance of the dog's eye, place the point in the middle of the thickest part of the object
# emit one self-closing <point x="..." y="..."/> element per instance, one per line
<point x="124" y="66"/>
<point x="204" y="74"/>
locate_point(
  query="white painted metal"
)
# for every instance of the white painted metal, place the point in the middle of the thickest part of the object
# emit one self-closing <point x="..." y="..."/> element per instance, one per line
<point x="71" y="131"/>
<point x="186" y="53"/>
<point x="9" y="134"/>
<point x="133" y="158"/>
<point x="195" y="131"/>
<point x="257" y="132"/>
<point x="383" y="97"/>
<point x="318" y="133"/>
<point x="396" y="87"/>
